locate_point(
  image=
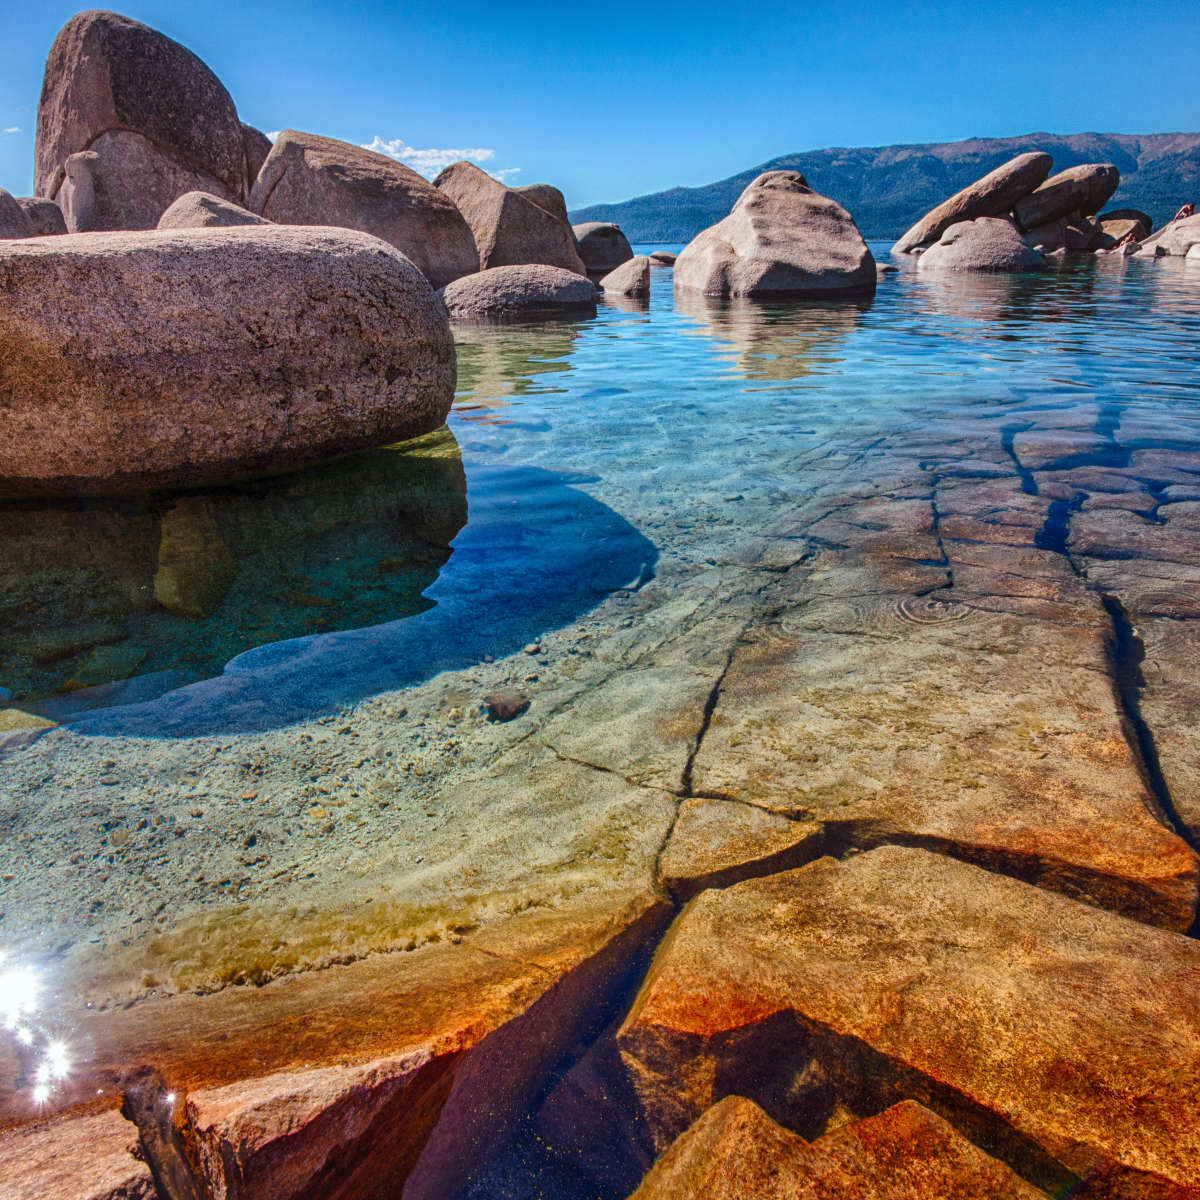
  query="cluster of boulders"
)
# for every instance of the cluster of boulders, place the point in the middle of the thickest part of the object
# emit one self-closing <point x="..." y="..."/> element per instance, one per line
<point x="193" y="336"/>
<point x="1018" y="216"/>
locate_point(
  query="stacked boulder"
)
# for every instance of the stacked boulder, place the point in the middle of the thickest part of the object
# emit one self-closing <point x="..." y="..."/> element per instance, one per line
<point x="781" y="239"/>
<point x="1016" y="215"/>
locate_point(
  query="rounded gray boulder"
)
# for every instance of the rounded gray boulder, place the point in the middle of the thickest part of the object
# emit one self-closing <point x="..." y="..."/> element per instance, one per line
<point x="781" y="239"/>
<point x="1085" y="189"/>
<point x="191" y="356"/>
<point x="201" y="210"/>
<point x="527" y="291"/>
<point x="14" y="222"/>
<point x="602" y="246"/>
<point x="44" y="216"/>
<point x="631" y="278"/>
<point x="985" y="244"/>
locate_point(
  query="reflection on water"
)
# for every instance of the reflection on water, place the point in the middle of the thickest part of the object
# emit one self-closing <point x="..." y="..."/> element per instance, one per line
<point x="170" y="589"/>
<point x="496" y="362"/>
<point x="776" y="340"/>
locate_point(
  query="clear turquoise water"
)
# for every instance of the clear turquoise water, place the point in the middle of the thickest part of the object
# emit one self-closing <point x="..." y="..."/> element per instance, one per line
<point x="590" y="451"/>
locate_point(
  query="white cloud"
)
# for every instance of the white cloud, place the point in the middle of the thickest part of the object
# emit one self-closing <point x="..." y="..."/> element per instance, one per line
<point x="430" y="162"/>
<point x="13" y="129"/>
<point x="273" y="135"/>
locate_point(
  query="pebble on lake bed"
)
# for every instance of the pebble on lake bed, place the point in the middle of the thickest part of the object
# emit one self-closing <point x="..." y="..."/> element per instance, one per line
<point x="504" y="704"/>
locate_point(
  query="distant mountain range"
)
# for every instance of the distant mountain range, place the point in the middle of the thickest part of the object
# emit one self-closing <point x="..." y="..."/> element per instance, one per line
<point x="887" y="188"/>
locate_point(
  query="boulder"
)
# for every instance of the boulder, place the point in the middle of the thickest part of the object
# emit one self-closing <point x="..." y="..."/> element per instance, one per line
<point x="200" y="210"/>
<point x="1082" y="233"/>
<point x="1128" y="214"/>
<point x="124" y="181"/>
<point x="1114" y="230"/>
<point x="990" y="196"/>
<point x="1176" y="238"/>
<point x="1038" y="1026"/>
<point x="548" y="198"/>
<point x="1047" y="238"/>
<point x="14" y="222"/>
<point x="256" y="146"/>
<point x="602" y="246"/>
<point x="523" y="292"/>
<point x="44" y="216"/>
<point x="662" y="258"/>
<point x="985" y="244"/>
<point x="1084" y="189"/>
<point x="1193" y="255"/>
<point x="312" y="180"/>
<point x="736" y="1152"/>
<point x="510" y="229"/>
<point x="631" y="278"/>
<point x="107" y="73"/>
<point x="176" y="357"/>
<point x="195" y="566"/>
<point x="781" y="239"/>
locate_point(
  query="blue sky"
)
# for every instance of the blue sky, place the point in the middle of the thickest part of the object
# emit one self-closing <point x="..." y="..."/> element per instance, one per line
<point x="615" y="100"/>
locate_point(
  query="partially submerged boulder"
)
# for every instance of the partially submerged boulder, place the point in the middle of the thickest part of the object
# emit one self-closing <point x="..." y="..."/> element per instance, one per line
<point x="631" y="278"/>
<point x="985" y="244"/>
<point x="175" y="357"/>
<point x="200" y="210"/>
<point x="14" y="223"/>
<point x="662" y="258"/>
<point x="313" y="180"/>
<point x="990" y="196"/>
<point x="1084" y="189"/>
<point x="107" y="74"/>
<point x="781" y="239"/>
<point x="602" y="246"/>
<point x="521" y="292"/>
<point x="44" y="216"/>
<point x="1176" y="238"/>
<point x="509" y="228"/>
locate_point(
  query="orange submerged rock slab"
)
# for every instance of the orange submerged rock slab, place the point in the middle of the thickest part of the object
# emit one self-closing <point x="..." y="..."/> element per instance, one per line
<point x="1060" y="1038"/>
<point x="736" y="1152"/>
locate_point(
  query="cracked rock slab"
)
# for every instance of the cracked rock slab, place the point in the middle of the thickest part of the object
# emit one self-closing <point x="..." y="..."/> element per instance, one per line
<point x="1060" y="1038"/>
<point x="736" y="1152"/>
<point x="991" y="736"/>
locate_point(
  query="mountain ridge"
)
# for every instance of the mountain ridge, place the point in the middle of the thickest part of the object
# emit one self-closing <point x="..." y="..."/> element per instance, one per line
<point x="887" y="188"/>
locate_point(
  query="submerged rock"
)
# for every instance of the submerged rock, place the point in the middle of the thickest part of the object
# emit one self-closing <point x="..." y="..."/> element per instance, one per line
<point x="201" y="210"/>
<point x="311" y="180"/>
<point x="1037" y="1025"/>
<point x="509" y="228"/>
<point x="985" y="244"/>
<point x="736" y="1152"/>
<point x="119" y="370"/>
<point x="781" y="239"/>
<point x="990" y="196"/>
<point x="505" y="704"/>
<point x="529" y="291"/>
<point x="195" y="567"/>
<point x="630" y="279"/>
<point x="167" y="119"/>
<point x="602" y="246"/>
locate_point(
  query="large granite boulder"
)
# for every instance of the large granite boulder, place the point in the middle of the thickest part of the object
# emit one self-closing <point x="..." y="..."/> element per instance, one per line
<point x="990" y="196"/>
<point x="510" y="229"/>
<point x="1084" y="189"/>
<point x="1176" y="238"/>
<point x="313" y="180"/>
<point x="781" y="239"/>
<point x="547" y="197"/>
<point x="602" y="246"/>
<point x="631" y="278"/>
<point x="178" y="357"/>
<point x="14" y="223"/>
<point x="529" y="291"/>
<point x="108" y="76"/>
<point x="1129" y="214"/>
<point x="200" y="210"/>
<point x="985" y="244"/>
<point x="44" y="216"/>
